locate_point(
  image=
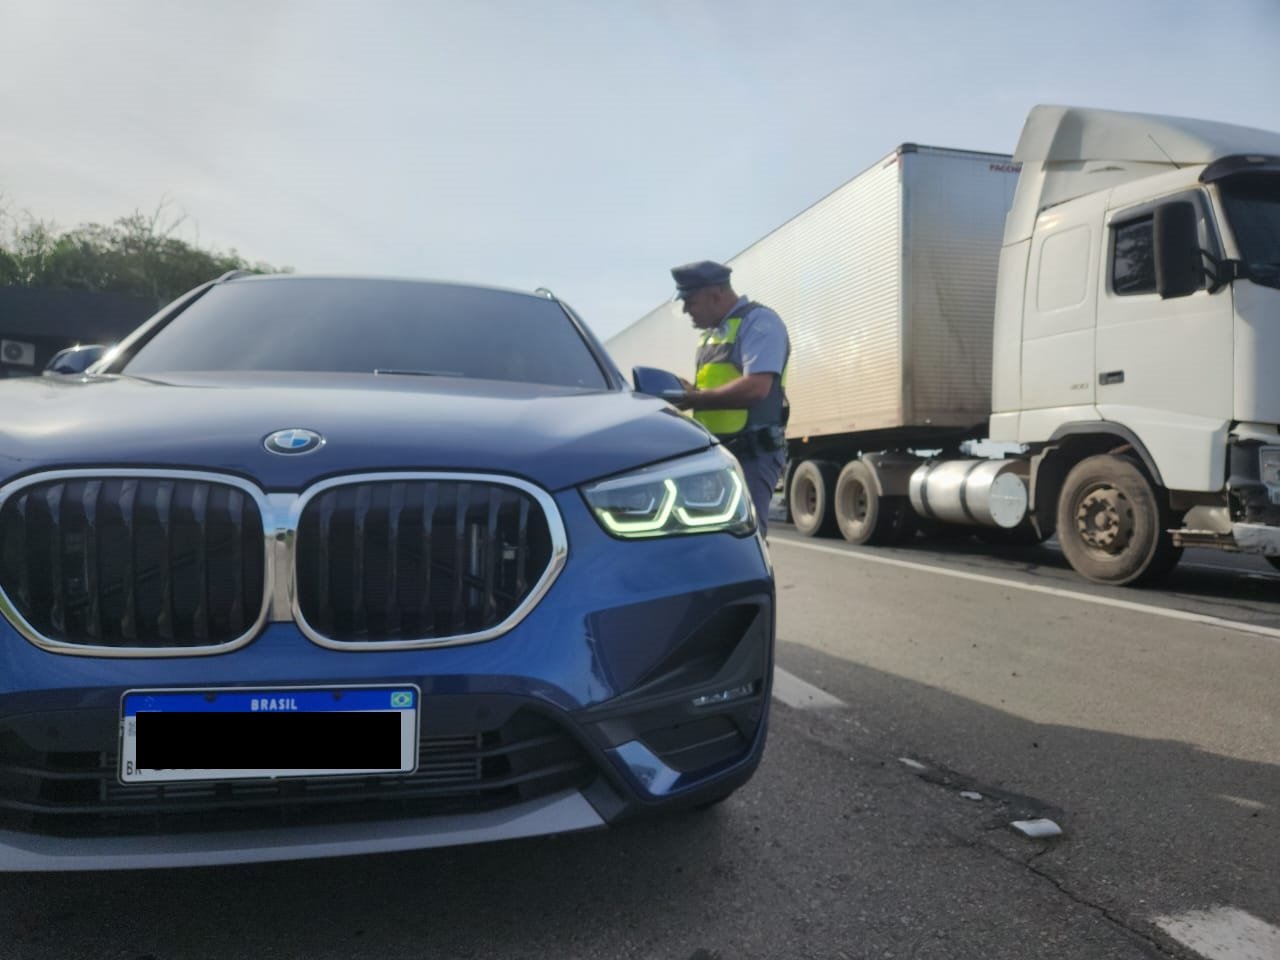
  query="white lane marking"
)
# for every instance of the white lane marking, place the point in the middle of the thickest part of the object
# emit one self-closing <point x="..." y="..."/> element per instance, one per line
<point x="794" y="692"/>
<point x="1223" y="933"/>
<point x="1271" y="633"/>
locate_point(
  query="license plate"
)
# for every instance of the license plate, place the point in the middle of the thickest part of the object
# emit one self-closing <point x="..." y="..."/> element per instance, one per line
<point x="235" y="733"/>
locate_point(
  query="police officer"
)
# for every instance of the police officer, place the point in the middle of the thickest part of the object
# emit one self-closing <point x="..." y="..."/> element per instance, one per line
<point x="738" y="392"/>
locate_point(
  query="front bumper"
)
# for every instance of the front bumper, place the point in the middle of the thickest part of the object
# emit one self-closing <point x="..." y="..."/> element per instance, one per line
<point x="562" y="812"/>
<point x="606" y="702"/>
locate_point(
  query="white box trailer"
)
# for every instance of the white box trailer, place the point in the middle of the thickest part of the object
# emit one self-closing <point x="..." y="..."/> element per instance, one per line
<point x="887" y="286"/>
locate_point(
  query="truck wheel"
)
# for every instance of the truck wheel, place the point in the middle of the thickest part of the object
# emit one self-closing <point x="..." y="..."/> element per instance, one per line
<point x="865" y="516"/>
<point x="812" y="485"/>
<point x="1113" y="523"/>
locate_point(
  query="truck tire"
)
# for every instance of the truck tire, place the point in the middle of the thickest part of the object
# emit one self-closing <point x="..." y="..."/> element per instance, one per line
<point x="812" y="486"/>
<point x="1113" y="523"/>
<point x="864" y="516"/>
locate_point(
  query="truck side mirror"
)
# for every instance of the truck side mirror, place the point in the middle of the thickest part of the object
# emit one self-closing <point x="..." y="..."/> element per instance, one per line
<point x="657" y="383"/>
<point x="1179" y="267"/>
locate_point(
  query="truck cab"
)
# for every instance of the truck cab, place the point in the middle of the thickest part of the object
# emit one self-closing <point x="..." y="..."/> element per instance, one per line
<point x="1138" y="317"/>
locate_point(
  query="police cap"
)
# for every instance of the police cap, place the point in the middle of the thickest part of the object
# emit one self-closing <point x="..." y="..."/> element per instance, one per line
<point x="695" y="276"/>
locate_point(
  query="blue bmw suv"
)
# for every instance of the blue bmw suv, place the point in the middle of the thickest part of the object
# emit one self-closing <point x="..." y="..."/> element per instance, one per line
<point x="319" y="566"/>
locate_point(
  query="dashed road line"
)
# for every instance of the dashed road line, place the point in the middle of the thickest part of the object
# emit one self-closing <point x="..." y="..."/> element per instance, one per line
<point x="1270" y="633"/>
<point x="800" y="695"/>
<point x="1223" y="933"/>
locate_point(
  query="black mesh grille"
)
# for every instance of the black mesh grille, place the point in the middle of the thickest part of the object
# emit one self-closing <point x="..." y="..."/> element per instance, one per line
<point x="133" y="561"/>
<point x="78" y="793"/>
<point x="417" y="559"/>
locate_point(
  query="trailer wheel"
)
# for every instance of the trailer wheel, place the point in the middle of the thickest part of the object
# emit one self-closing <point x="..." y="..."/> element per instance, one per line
<point x="865" y="516"/>
<point x="1113" y="523"/>
<point x="810" y="496"/>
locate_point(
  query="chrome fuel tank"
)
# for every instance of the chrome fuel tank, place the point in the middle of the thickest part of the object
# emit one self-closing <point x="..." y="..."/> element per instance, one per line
<point x="991" y="493"/>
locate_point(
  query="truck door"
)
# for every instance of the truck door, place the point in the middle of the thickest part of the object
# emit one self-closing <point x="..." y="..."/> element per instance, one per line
<point x="1164" y="367"/>
<point x="1058" y="318"/>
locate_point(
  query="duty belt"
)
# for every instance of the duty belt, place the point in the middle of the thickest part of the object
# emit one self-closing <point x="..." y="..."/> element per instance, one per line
<point x="755" y="441"/>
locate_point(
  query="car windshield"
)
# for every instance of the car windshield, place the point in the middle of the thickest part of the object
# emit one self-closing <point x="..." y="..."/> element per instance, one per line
<point x="365" y="326"/>
<point x="1253" y="209"/>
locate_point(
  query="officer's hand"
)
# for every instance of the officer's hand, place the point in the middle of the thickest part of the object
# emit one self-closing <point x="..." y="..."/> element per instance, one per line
<point x="684" y="404"/>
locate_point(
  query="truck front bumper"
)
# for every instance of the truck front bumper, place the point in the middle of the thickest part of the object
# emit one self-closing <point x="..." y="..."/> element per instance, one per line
<point x="1256" y="538"/>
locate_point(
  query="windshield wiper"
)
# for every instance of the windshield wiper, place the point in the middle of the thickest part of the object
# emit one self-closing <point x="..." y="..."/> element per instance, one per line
<point x="418" y="373"/>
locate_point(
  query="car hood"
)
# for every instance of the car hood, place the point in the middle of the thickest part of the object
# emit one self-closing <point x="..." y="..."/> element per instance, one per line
<point x="553" y="436"/>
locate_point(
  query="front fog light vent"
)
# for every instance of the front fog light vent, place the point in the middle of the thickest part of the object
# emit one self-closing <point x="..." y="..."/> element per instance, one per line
<point x="724" y="696"/>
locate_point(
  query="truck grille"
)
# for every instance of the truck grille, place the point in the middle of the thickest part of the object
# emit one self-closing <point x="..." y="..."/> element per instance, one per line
<point x="78" y="792"/>
<point x="133" y="561"/>
<point x="414" y="559"/>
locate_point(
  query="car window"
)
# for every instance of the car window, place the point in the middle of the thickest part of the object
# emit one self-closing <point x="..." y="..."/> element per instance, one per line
<point x="361" y="326"/>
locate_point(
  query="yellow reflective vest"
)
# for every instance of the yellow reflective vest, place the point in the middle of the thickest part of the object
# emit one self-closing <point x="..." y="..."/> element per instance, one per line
<point x="718" y="363"/>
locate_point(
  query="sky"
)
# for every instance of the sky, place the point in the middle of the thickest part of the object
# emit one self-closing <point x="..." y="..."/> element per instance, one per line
<point x="585" y="146"/>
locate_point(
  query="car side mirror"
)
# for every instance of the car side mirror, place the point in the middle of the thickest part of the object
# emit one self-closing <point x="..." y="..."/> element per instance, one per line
<point x="74" y="360"/>
<point x="657" y="383"/>
<point x="1179" y="266"/>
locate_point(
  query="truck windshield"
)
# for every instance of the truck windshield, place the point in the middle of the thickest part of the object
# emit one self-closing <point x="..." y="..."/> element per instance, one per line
<point x="393" y="327"/>
<point x="1253" y="210"/>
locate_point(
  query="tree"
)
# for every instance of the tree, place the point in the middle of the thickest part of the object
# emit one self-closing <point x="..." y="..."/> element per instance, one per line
<point x="138" y="255"/>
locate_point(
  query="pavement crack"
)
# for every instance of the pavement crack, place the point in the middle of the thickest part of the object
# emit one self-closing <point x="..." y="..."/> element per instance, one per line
<point x="1020" y="807"/>
<point x="1117" y="920"/>
<point x="887" y="771"/>
<point x="1029" y="863"/>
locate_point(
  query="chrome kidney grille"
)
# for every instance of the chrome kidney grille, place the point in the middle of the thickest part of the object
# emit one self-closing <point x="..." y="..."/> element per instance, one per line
<point x="141" y="562"/>
<point x="180" y="563"/>
<point x="409" y="560"/>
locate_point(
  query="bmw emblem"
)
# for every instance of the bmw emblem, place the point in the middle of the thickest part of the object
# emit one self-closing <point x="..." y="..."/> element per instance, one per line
<point x="294" y="440"/>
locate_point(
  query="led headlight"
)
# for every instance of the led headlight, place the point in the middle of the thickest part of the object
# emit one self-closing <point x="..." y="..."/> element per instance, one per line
<point x="705" y="493"/>
<point x="1269" y="466"/>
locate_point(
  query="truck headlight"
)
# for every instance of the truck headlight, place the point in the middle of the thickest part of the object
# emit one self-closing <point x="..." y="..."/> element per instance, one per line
<point x="705" y="493"/>
<point x="1269" y="465"/>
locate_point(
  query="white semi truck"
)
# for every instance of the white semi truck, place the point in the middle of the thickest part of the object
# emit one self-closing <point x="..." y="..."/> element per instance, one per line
<point x="1104" y="305"/>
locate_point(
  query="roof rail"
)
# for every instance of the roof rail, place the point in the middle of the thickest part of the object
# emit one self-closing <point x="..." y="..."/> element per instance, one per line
<point x="233" y="274"/>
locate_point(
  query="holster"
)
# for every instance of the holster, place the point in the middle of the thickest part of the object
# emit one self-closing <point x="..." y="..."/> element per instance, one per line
<point x="755" y="441"/>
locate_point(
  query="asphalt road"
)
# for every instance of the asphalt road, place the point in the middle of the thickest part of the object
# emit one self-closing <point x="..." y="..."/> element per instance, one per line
<point x="1146" y="724"/>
